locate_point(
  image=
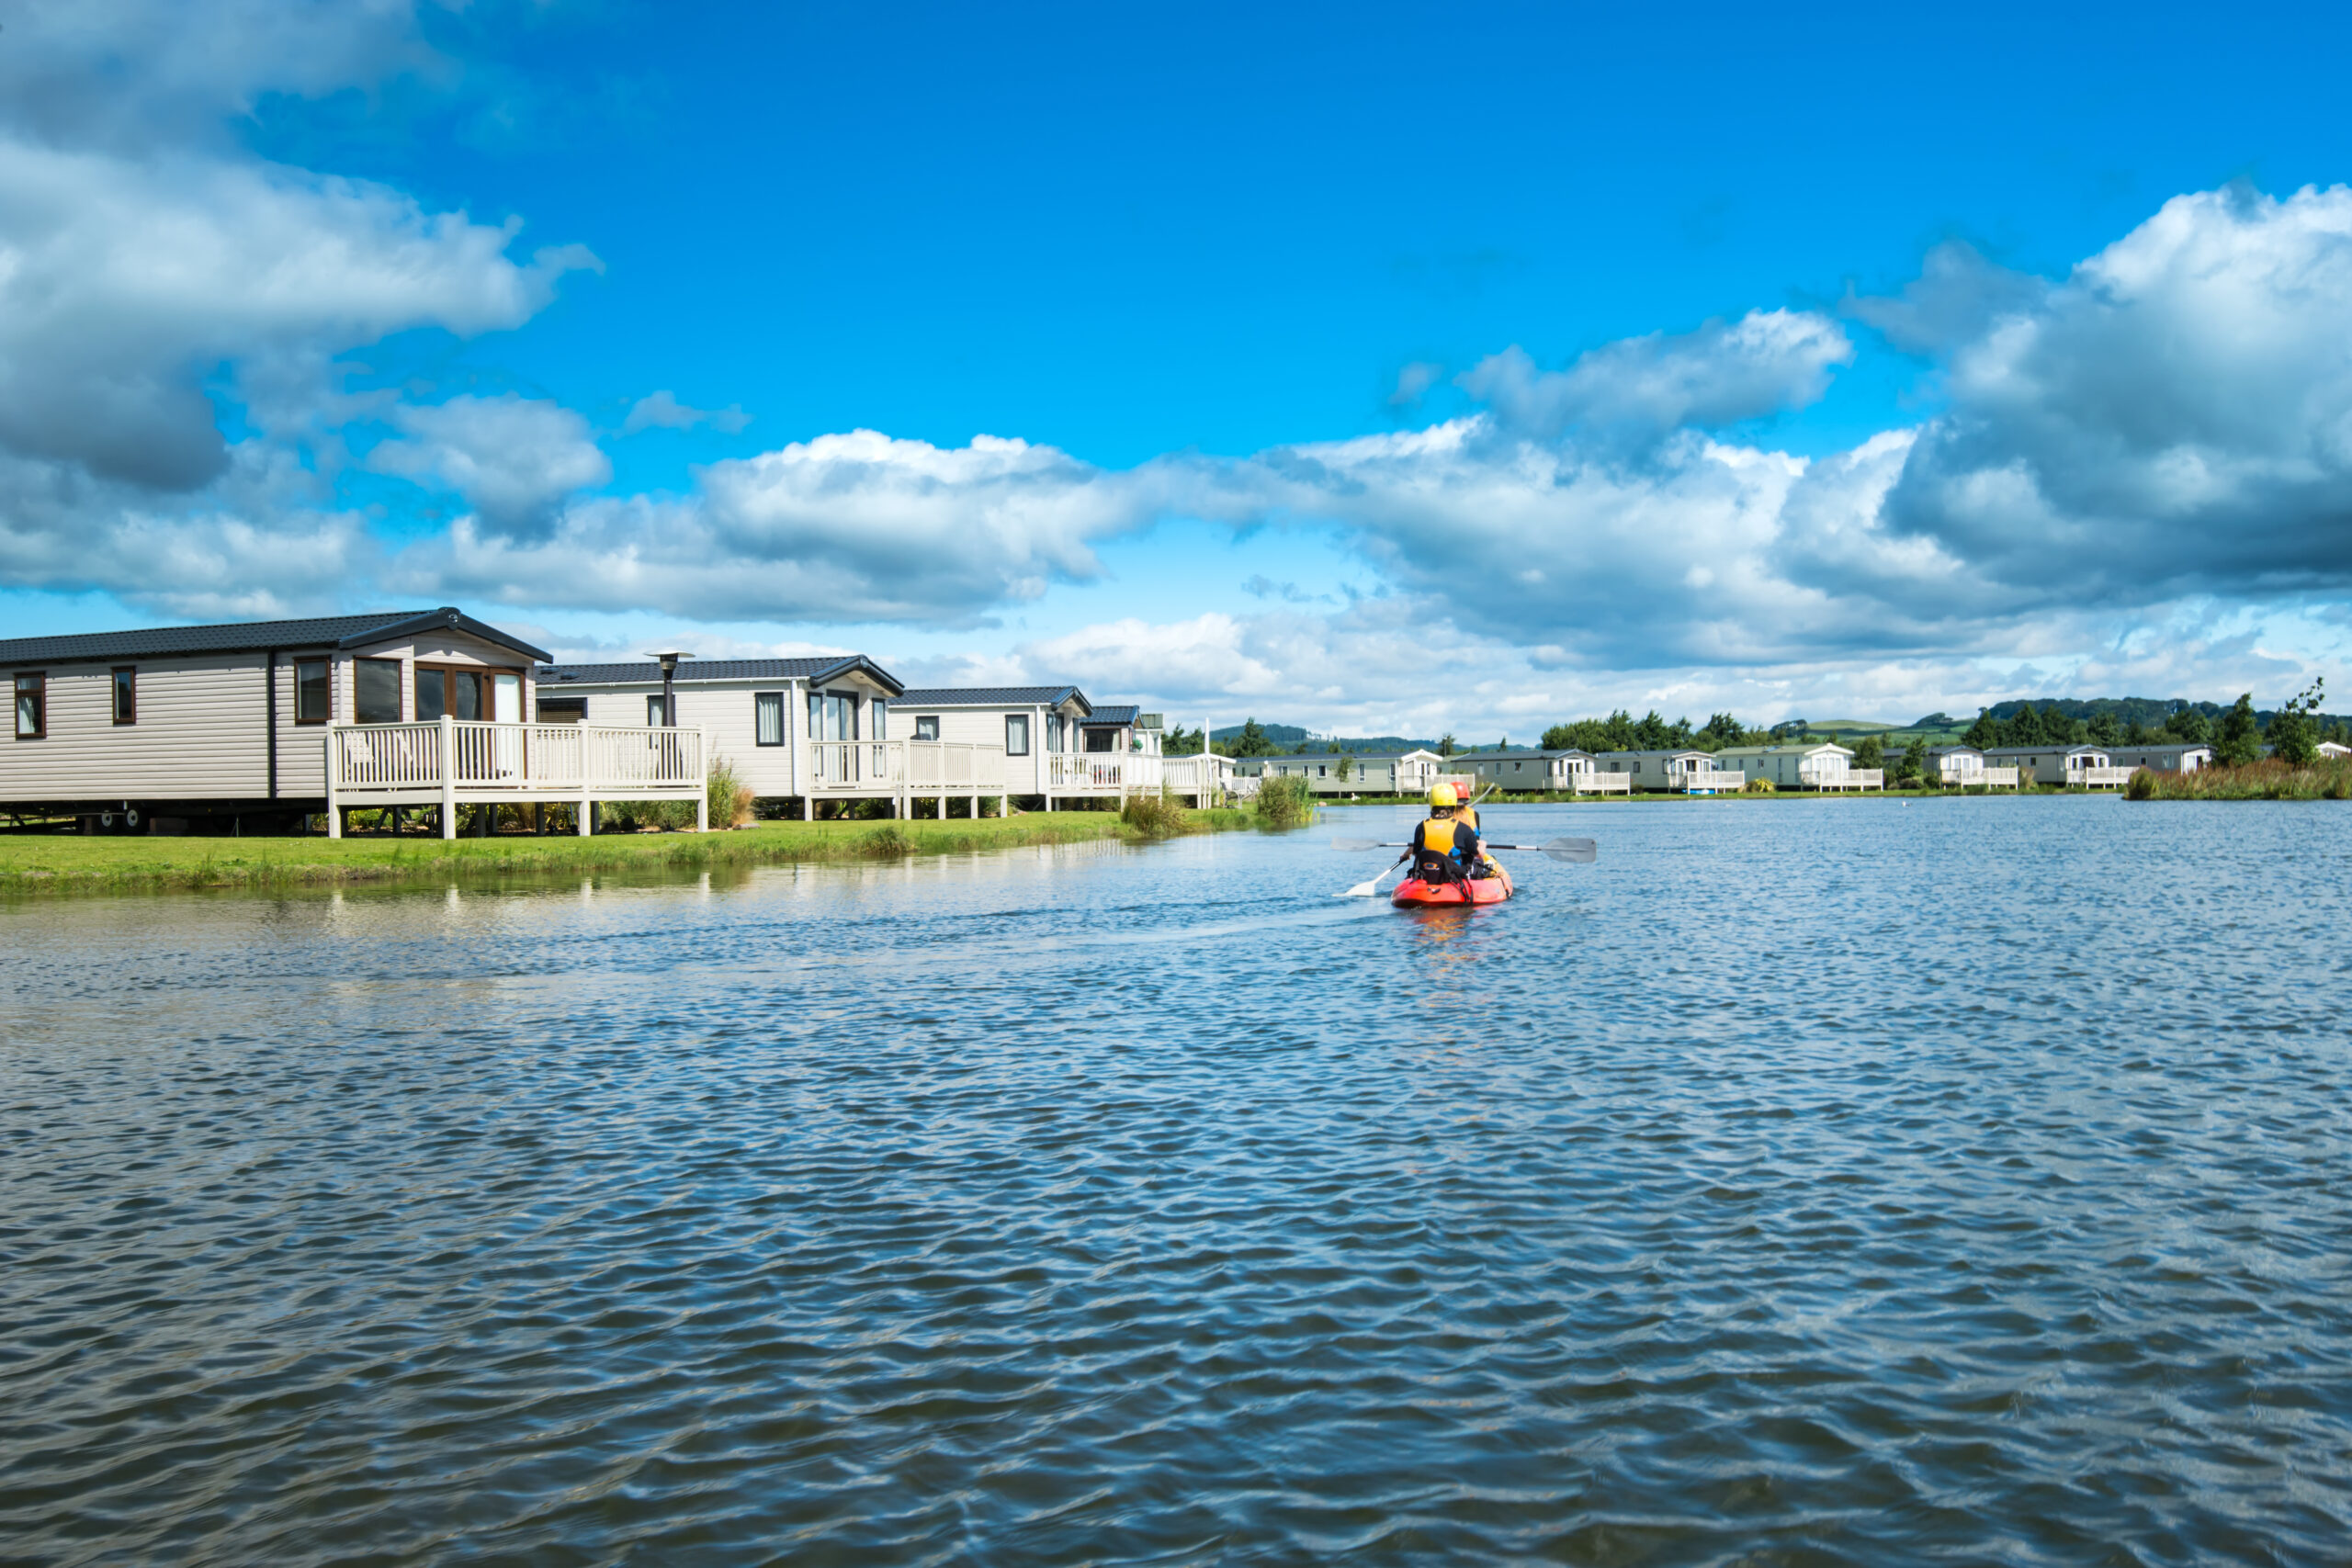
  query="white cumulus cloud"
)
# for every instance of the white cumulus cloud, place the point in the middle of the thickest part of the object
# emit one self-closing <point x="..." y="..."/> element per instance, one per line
<point x="511" y="458"/>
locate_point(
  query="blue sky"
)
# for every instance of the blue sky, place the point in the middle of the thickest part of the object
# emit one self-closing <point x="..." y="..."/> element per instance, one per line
<point x="1868" y="360"/>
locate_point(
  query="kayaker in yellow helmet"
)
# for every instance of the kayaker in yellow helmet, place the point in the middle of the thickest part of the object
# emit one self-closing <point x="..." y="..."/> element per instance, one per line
<point x="1445" y="848"/>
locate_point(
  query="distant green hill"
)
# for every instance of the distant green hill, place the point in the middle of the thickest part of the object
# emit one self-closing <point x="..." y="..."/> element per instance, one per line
<point x="1291" y="737"/>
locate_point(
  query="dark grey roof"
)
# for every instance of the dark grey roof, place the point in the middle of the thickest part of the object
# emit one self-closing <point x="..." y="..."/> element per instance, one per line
<point x="1526" y="756"/>
<point x="992" y="697"/>
<point x="1106" y="718"/>
<point x="648" y="673"/>
<point x="253" y="636"/>
<point x="2055" y="749"/>
<point x="1672" y="751"/>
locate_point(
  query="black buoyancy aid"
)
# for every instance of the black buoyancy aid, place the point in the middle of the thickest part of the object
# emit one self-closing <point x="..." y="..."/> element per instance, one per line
<point x="1434" y="851"/>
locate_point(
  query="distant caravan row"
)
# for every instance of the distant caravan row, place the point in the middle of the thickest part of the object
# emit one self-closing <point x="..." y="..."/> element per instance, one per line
<point x="435" y="720"/>
<point x="1811" y="765"/>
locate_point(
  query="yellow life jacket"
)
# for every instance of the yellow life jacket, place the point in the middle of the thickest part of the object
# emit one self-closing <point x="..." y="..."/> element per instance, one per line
<point x="1437" y="836"/>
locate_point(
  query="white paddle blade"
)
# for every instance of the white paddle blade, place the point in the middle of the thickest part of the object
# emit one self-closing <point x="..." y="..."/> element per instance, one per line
<point x="1355" y="843"/>
<point x="1362" y="889"/>
<point x="1582" y="852"/>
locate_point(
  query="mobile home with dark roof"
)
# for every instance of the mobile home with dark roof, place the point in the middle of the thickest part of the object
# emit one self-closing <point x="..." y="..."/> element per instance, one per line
<point x="122" y="728"/>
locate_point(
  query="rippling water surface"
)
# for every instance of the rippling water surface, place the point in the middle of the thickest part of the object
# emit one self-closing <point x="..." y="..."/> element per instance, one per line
<point x="1805" y="1182"/>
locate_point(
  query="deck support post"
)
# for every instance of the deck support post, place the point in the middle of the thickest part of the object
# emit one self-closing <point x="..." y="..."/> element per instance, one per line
<point x="449" y="776"/>
<point x="702" y="812"/>
<point x="335" y="812"/>
<point x="808" y="808"/>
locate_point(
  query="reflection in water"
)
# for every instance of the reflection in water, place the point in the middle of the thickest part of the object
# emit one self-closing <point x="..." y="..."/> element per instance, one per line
<point x="1097" y="1205"/>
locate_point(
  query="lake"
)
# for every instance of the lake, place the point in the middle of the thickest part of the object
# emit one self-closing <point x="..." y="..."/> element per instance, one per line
<point x="1805" y="1182"/>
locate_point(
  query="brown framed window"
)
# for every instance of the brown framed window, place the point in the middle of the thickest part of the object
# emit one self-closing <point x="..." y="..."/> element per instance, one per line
<point x="125" y="694"/>
<point x="32" y="706"/>
<point x="376" y="690"/>
<point x="313" y="692"/>
<point x="444" y="688"/>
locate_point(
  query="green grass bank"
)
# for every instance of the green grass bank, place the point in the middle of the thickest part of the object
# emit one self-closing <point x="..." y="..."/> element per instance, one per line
<point x="32" y="864"/>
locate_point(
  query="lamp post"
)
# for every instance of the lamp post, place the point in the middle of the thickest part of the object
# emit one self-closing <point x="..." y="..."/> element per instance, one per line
<point x="669" y="686"/>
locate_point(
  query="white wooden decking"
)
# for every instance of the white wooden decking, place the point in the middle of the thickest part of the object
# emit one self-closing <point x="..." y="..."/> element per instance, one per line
<point x="1601" y="783"/>
<point x="1714" y="781"/>
<point x="1844" y="778"/>
<point x="2101" y="778"/>
<point x="951" y="772"/>
<point x="452" y="762"/>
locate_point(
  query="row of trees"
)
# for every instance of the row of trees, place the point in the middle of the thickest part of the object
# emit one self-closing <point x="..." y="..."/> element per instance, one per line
<point x="1621" y="731"/>
<point x="2294" y="733"/>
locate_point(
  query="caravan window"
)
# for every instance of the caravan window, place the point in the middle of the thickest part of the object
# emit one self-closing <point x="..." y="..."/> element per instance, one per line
<point x="32" y="706"/>
<point x="1016" y="735"/>
<point x="767" y="718"/>
<point x="440" y="690"/>
<point x="927" y="728"/>
<point x="1053" y="732"/>
<point x="125" y="694"/>
<point x="379" y="688"/>
<point x="312" y="691"/>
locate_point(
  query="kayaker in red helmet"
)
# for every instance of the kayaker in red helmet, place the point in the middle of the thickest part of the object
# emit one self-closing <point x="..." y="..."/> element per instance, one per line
<point x="1444" y="848"/>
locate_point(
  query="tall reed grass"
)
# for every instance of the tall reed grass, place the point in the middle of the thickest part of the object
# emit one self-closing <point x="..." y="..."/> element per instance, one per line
<point x="2266" y="780"/>
<point x="1155" y="816"/>
<point x="1285" y="803"/>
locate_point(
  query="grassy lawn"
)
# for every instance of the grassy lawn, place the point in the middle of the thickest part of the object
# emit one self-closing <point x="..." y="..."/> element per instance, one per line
<point x="35" y="864"/>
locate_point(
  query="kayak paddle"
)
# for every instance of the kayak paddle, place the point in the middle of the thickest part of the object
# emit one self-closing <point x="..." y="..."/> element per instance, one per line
<point x="1581" y="852"/>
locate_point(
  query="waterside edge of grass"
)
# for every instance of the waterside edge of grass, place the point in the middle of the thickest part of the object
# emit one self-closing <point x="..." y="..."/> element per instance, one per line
<point x="46" y="863"/>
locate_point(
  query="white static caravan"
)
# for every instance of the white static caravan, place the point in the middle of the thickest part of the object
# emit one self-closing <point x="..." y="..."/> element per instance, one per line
<point x="803" y="729"/>
<point x="1356" y="772"/>
<point x="2081" y="767"/>
<point x="1119" y="730"/>
<point x="2169" y="757"/>
<point x="1034" y="724"/>
<point x="1819" y="765"/>
<point x="1666" y="770"/>
<point x="2328" y="751"/>
<point x="1959" y="767"/>
<point x="171" y="723"/>
<point x="1532" y="772"/>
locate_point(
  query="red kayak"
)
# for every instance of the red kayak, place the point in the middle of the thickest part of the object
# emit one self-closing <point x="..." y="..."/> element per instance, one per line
<point x="1414" y="894"/>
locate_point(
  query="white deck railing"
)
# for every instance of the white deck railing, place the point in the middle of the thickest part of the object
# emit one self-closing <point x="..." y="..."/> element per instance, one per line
<point x="1713" y="781"/>
<point x="561" y="759"/>
<point x="450" y="762"/>
<point x="2101" y="778"/>
<point x="872" y="766"/>
<point x="1993" y="778"/>
<point x="1098" y="772"/>
<point x="1601" y="783"/>
<point x="955" y="764"/>
<point x="1202" y="776"/>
